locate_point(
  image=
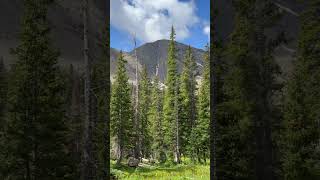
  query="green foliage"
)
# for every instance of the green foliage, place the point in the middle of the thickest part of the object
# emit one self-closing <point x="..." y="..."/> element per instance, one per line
<point x="144" y="106"/>
<point x="101" y="90"/>
<point x="120" y="108"/>
<point x="200" y="135"/>
<point x="188" y="100"/>
<point x="246" y="108"/>
<point x="36" y="132"/>
<point x="174" y="172"/>
<point x="156" y="118"/>
<point x="301" y="147"/>
<point x="169" y="107"/>
<point x="235" y="118"/>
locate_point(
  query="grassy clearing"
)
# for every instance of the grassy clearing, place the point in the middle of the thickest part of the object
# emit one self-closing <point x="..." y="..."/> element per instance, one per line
<point x="162" y="172"/>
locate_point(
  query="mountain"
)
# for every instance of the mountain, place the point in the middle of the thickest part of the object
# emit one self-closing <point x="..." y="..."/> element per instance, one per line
<point x="66" y="25"/>
<point x="289" y="24"/>
<point x="65" y="19"/>
<point x="155" y="54"/>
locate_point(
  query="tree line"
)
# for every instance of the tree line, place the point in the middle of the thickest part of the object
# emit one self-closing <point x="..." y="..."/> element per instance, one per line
<point x="45" y="132"/>
<point x="172" y="119"/>
<point x="265" y="127"/>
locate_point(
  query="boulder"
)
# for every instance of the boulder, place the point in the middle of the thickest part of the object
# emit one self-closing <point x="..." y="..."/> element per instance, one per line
<point x="163" y="157"/>
<point x="133" y="162"/>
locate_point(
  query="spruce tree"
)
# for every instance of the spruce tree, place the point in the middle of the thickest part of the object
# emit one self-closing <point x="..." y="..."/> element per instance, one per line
<point x="188" y="99"/>
<point x="155" y="117"/>
<point x="301" y="136"/>
<point x="36" y="131"/>
<point x="121" y="109"/>
<point x="200" y="134"/>
<point x="170" y="109"/>
<point x="246" y="113"/>
<point x="100" y="86"/>
<point x="144" y="105"/>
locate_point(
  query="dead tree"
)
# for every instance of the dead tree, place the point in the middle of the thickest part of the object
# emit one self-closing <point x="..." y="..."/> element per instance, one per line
<point x="87" y="161"/>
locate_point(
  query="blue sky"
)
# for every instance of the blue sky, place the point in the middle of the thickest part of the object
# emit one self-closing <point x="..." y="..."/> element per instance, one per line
<point x="150" y="20"/>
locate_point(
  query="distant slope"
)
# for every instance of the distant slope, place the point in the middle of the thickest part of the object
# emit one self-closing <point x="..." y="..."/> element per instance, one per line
<point x="66" y="26"/>
<point x="156" y="53"/>
<point x="289" y="23"/>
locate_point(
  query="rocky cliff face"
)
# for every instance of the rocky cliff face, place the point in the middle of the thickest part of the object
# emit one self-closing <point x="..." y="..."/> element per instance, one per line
<point x="155" y="54"/>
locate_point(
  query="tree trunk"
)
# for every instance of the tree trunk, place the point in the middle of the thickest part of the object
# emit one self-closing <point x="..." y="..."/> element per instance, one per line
<point x="106" y="152"/>
<point x="137" y="149"/>
<point x="86" y="173"/>
<point x="177" y="148"/>
<point x="263" y="135"/>
<point x="213" y="98"/>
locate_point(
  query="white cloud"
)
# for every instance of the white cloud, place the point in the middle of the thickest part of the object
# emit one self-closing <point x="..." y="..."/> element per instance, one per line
<point x="151" y="20"/>
<point x="206" y="30"/>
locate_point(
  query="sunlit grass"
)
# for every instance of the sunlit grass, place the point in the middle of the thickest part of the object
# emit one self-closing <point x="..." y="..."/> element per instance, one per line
<point x="163" y="172"/>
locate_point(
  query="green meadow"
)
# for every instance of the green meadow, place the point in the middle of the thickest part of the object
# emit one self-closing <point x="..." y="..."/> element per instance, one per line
<point x="162" y="172"/>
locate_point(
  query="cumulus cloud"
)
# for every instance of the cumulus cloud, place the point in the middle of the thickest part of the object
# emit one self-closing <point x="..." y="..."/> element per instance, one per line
<point x="151" y="20"/>
<point x="206" y="30"/>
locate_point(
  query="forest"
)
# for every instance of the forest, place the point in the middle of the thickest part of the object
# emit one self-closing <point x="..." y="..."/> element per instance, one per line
<point x="166" y="125"/>
<point x="251" y="116"/>
<point x="265" y="112"/>
<point x="54" y="119"/>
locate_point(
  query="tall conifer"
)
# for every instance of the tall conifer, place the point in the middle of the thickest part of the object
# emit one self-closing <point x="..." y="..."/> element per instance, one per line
<point x="301" y="137"/>
<point x="170" y="110"/>
<point x="36" y="134"/>
<point x="188" y="99"/>
<point x="121" y="109"/>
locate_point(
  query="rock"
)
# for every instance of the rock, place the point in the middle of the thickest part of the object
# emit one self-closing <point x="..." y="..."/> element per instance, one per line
<point x="133" y="162"/>
<point x="146" y="161"/>
<point x="163" y="157"/>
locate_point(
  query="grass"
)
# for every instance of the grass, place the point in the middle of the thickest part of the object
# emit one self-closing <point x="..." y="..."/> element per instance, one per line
<point x="162" y="172"/>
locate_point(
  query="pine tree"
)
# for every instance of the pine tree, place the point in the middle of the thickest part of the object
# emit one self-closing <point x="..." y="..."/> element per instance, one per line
<point x="36" y="131"/>
<point x="75" y="117"/>
<point x="120" y="109"/>
<point x="144" y="105"/>
<point x="246" y="114"/>
<point x="100" y="86"/>
<point x="235" y="121"/>
<point x="188" y="99"/>
<point x="155" y="117"/>
<point x="200" y="134"/>
<point x="301" y="136"/>
<point x="170" y="109"/>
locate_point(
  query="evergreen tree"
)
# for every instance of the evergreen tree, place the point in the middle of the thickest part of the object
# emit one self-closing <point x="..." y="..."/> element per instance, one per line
<point x="100" y="86"/>
<point x="170" y="109"/>
<point x="188" y="99"/>
<point x="121" y="110"/>
<point x="200" y="140"/>
<point x="246" y="113"/>
<point x="155" y="117"/>
<point x="144" y="105"/>
<point x="36" y="131"/>
<point x="301" y="136"/>
<point x="235" y="120"/>
<point x="75" y="117"/>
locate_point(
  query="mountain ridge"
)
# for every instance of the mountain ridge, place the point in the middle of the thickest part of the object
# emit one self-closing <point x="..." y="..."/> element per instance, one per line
<point x="153" y="54"/>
